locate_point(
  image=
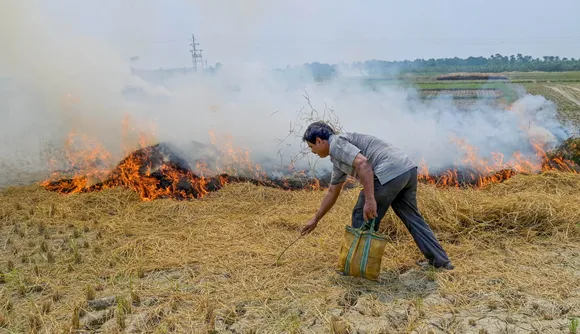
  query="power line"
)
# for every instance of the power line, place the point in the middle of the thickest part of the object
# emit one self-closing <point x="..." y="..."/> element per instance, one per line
<point x="475" y="40"/>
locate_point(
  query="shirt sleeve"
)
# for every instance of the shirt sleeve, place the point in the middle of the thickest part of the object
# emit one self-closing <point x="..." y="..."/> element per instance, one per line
<point x="337" y="176"/>
<point x="344" y="151"/>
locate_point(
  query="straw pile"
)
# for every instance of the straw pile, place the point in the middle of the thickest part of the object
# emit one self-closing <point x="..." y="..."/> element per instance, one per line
<point x="159" y="171"/>
<point x="568" y="149"/>
<point x="472" y="76"/>
<point x="208" y="264"/>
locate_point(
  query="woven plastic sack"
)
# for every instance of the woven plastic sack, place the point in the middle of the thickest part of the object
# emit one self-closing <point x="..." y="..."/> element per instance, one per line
<point x="361" y="252"/>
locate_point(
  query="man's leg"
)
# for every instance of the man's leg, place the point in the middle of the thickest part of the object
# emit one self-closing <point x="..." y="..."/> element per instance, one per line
<point x="405" y="207"/>
<point x="384" y="196"/>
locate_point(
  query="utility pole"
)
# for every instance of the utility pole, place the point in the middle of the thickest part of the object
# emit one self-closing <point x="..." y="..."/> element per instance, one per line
<point x="200" y="58"/>
<point x="196" y="56"/>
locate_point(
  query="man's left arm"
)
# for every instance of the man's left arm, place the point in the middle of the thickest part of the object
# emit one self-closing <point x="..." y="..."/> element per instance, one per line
<point x="348" y="153"/>
<point x="365" y="173"/>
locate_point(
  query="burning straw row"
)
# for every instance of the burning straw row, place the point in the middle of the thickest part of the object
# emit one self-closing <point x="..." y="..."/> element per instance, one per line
<point x="158" y="172"/>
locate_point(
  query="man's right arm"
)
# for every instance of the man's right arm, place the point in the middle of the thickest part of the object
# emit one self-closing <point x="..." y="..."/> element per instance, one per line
<point x="328" y="200"/>
<point x="327" y="203"/>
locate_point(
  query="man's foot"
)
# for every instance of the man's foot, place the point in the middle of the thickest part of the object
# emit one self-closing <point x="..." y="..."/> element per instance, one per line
<point x="447" y="266"/>
<point x="425" y="264"/>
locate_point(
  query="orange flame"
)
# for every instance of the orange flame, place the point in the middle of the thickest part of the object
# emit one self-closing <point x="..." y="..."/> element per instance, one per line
<point x="92" y="167"/>
<point x="479" y="172"/>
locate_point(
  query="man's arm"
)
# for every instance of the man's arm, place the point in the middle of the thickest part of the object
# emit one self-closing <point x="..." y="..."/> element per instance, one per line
<point x="365" y="173"/>
<point x="327" y="203"/>
<point x="328" y="200"/>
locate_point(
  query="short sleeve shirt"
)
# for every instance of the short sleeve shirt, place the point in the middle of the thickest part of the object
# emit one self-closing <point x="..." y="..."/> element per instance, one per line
<point x="387" y="160"/>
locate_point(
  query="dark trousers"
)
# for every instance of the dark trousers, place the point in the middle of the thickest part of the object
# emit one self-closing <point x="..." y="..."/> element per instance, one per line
<point x="401" y="194"/>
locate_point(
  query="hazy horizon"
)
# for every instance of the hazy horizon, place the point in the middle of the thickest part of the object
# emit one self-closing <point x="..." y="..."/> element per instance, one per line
<point x="281" y="33"/>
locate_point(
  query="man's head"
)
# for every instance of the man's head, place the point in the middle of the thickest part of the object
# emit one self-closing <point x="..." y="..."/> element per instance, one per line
<point x="316" y="136"/>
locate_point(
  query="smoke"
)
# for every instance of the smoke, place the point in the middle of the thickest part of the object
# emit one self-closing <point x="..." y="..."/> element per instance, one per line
<point x="268" y="115"/>
<point x="55" y="79"/>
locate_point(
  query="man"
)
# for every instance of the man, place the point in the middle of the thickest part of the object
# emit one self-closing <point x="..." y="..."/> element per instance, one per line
<point x="388" y="177"/>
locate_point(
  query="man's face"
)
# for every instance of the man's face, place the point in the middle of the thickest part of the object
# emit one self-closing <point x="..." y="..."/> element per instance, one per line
<point x="320" y="147"/>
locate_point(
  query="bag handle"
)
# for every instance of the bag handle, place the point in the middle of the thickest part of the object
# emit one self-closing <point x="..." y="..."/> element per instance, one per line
<point x="373" y="222"/>
<point x="373" y="225"/>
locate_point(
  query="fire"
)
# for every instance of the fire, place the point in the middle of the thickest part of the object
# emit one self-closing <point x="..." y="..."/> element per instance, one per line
<point x="235" y="161"/>
<point x="479" y="172"/>
<point x="154" y="171"/>
<point x="87" y="161"/>
<point x="144" y="171"/>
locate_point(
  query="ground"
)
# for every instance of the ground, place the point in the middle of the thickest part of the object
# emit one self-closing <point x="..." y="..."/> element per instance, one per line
<point x="209" y="265"/>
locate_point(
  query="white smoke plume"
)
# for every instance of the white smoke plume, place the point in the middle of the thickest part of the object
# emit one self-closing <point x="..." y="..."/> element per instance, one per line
<point x="54" y="80"/>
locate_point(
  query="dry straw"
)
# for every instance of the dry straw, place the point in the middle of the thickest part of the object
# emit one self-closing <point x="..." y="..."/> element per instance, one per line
<point x="207" y="263"/>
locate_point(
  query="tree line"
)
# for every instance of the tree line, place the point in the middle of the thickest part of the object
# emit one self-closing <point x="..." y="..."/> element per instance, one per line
<point x="494" y="64"/>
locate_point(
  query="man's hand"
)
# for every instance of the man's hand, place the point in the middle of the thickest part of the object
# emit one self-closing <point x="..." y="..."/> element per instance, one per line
<point x="310" y="226"/>
<point x="370" y="209"/>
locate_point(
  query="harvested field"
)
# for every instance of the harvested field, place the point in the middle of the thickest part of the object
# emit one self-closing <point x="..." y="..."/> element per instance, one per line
<point x="565" y="96"/>
<point x="472" y="104"/>
<point x="207" y="265"/>
<point x="462" y="93"/>
<point x="466" y="99"/>
<point x="470" y="90"/>
<point x="568" y="92"/>
<point x="564" y="105"/>
<point x="539" y="76"/>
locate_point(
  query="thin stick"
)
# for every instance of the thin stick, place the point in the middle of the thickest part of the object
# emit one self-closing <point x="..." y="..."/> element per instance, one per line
<point x="279" y="256"/>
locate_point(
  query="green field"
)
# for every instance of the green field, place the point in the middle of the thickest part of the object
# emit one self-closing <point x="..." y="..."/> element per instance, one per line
<point x="536" y="76"/>
<point x="544" y="76"/>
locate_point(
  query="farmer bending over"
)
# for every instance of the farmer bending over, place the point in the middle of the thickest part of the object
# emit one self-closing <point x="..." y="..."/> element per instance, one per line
<point x="388" y="177"/>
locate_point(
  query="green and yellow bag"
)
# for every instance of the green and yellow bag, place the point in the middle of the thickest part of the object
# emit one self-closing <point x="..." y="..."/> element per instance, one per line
<point x="361" y="252"/>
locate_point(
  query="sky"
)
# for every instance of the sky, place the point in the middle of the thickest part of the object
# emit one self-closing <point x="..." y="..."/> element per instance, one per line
<point x="293" y="32"/>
